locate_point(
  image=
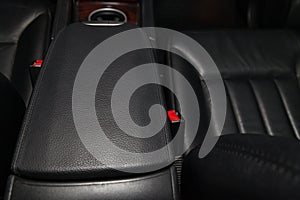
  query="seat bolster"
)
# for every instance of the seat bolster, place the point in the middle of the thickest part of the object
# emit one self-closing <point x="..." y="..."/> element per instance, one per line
<point x="245" y="167"/>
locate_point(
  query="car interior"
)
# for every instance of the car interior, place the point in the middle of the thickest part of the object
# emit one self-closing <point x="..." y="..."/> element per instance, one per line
<point x="255" y="45"/>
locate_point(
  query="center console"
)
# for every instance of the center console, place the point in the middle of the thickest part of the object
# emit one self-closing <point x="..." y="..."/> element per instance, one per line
<point x="51" y="161"/>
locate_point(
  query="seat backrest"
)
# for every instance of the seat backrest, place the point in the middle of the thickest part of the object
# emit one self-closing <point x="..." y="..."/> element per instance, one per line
<point x="259" y="70"/>
<point x="23" y="39"/>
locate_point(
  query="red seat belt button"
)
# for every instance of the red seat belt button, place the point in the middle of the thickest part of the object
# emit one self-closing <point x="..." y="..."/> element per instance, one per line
<point x="173" y="116"/>
<point x="37" y="63"/>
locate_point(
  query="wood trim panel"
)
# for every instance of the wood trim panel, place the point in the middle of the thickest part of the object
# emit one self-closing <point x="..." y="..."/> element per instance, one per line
<point x="129" y="7"/>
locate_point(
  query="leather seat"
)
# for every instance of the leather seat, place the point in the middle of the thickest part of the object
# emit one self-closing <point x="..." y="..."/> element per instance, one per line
<point x="260" y="70"/>
<point x="24" y="37"/>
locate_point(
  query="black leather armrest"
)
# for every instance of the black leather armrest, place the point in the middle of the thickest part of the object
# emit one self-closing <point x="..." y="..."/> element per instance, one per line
<point x="49" y="146"/>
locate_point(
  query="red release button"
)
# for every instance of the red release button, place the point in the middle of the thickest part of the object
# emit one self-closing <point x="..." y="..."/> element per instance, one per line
<point x="173" y="117"/>
<point x="37" y="63"/>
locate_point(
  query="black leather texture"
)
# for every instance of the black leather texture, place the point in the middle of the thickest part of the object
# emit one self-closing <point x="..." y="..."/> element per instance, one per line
<point x="24" y="31"/>
<point x="24" y="37"/>
<point x="12" y="111"/>
<point x="260" y="72"/>
<point x="49" y="146"/>
<point x="244" y="167"/>
<point x="293" y="17"/>
<point x="160" y="185"/>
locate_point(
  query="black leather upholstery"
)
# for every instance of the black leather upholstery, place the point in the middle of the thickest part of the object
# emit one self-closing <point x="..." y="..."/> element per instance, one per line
<point x="261" y="75"/>
<point x="160" y="185"/>
<point x="293" y="17"/>
<point x="49" y="126"/>
<point x="24" y="39"/>
<point x="260" y="70"/>
<point x="49" y="147"/>
<point x="245" y="167"/>
<point x="61" y="156"/>
<point x="12" y="110"/>
<point x="24" y="30"/>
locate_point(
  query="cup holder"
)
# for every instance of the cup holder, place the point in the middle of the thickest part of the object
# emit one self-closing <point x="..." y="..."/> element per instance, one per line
<point x="107" y="17"/>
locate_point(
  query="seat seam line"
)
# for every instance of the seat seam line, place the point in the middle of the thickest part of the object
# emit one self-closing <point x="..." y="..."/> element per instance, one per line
<point x="284" y="103"/>
<point x="262" y="114"/>
<point x="234" y="109"/>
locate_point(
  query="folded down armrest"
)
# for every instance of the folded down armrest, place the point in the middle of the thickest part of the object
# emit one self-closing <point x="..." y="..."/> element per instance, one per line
<point x="49" y="147"/>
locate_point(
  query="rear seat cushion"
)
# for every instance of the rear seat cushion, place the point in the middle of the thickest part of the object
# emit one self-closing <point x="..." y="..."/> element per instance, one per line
<point x="244" y="167"/>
